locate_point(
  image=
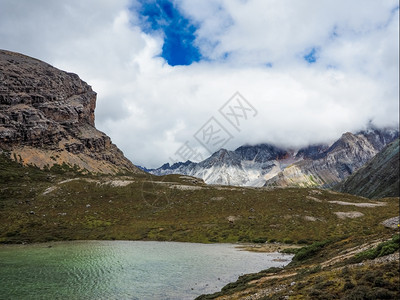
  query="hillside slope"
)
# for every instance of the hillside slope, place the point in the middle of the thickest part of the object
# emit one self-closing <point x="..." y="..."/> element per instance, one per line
<point x="47" y="118"/>
<point x="362" y="267"/>
<point x="378" y="178"/>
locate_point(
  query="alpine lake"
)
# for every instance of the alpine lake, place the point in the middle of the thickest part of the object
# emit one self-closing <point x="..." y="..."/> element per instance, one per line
<point x="125" y="269"/>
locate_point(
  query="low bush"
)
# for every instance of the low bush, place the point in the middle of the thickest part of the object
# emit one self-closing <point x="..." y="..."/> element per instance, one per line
<point x="366" y="292"/>
<point x="260" y="240"/>
<point x="382" y="249"/>
<point x="300" y="242"/>
<point x="309" y="251"/>
<point x="290" y="250"/>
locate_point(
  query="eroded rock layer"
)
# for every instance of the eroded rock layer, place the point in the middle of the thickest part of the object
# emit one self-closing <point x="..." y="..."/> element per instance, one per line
<point x="47" y="117"/>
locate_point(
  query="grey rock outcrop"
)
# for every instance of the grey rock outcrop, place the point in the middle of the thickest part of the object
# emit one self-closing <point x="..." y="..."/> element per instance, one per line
<point x="47" y="117"/>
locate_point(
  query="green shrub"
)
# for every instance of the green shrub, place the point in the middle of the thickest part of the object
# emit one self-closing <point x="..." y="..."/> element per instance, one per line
<point x="260" y="240"/>
<point x="382" y="249"/>
<point x="388" y="249"/>
<point x="367" y="254"/>
<point x="362" y="292"/>
<point x="290" y="250"/>
<point x="396" y="239"/>
<point x="12" y="233"/>
<point x="348" y="285"/>
<point x="309" y="251"/>
<point x="302" y="242"/>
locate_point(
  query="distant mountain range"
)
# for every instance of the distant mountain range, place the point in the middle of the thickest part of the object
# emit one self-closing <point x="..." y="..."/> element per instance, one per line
<point x="268" y="165"/>
<point x="336" y="163"/>
<point x="378" y="178"/>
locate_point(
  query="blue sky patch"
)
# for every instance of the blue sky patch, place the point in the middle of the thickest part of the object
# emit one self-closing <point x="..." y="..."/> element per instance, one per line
<point x="179" y="32"/>
<point x="312" y="56"/>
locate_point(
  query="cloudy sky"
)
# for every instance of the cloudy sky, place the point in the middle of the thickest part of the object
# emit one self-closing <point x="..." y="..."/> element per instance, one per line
<point x="166" y="71"/>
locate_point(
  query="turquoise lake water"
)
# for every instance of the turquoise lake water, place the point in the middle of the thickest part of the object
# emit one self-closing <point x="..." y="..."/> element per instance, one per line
<point x="124" y="269"/>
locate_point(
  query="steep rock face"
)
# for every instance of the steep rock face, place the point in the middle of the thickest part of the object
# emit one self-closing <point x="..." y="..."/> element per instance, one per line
<point x="339" y="161"/>
<point x="47" y="118"/>
<point x="377" y="178"/>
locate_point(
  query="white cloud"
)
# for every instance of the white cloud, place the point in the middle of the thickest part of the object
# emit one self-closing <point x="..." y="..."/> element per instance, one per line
<point x="150" y="108"/>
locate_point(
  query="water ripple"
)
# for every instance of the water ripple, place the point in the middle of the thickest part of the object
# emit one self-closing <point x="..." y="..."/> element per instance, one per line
<point x="124" y="270"/>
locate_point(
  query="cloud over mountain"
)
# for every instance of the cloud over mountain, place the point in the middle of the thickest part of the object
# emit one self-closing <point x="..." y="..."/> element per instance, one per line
<point x="311" y="69"/>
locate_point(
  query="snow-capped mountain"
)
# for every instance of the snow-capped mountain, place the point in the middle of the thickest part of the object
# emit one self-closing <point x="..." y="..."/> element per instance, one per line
<point x="265" y="164"/>
<point x="246" y="166"/>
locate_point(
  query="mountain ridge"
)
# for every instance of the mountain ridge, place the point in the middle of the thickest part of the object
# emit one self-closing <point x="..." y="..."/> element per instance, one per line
<point x="346" y="155"/>
<point x="270" y="165"/>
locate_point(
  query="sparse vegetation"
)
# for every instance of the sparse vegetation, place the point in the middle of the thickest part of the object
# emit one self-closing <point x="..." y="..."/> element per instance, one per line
<point x="39" y="205"/>
<point x="241" y="284"/>
<point x="65" y="204"/>
<point x="313" y="278"/>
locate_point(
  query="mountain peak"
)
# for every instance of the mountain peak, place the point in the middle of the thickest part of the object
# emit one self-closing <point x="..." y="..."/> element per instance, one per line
<point x="221" y="157"/>
<point x="221" y="151"/>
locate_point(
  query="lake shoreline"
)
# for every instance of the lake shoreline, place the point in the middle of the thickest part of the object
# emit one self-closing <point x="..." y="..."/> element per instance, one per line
<point x="250" y="247"/>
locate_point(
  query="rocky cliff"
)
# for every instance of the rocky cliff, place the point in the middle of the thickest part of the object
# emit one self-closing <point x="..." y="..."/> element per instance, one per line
<point x="378" y="178"/>
<point x="47" y="118"/>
